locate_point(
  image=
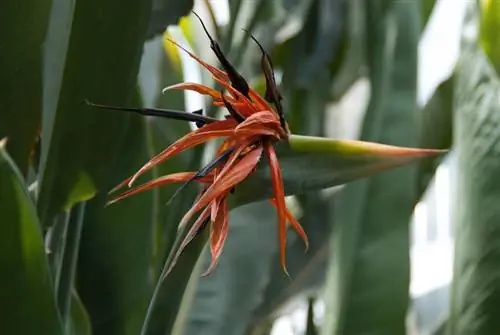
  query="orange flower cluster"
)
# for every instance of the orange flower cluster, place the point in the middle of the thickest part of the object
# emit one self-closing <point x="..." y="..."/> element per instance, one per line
<point x="249" y="131"/>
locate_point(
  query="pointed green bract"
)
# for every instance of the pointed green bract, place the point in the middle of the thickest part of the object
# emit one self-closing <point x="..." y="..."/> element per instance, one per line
<point x="26" y="292"/>
<point x="313" y="163"/>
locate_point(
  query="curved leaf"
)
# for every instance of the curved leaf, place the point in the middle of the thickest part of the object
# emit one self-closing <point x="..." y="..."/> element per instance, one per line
<point x="22" y="33"/>
<point x="26" y="292"/>
<point x="101" y="65"/>
<point x="476" y="288"/>
<point x="115" y="277"/>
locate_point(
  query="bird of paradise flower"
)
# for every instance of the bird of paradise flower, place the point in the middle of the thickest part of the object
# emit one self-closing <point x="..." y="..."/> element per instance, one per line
<point x="250" y="131"/>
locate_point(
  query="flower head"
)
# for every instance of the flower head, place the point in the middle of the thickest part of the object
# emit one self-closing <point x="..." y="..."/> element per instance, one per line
<point x="249" y="131"/>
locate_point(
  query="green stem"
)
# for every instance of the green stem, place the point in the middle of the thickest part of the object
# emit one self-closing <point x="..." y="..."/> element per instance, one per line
<point x="68" y="269"/>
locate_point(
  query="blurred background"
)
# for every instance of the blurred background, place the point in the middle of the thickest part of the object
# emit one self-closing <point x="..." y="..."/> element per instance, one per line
<point x="414" y="250"/>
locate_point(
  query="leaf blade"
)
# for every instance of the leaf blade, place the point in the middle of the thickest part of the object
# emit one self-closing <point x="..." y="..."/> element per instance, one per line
<point x="22" y="252"/>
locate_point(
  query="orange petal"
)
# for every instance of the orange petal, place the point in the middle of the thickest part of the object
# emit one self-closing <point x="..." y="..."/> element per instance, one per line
<point x="189" y="237"/>
<point x="279" y="195"/>
<point x="209" y="131"/>
<point x="225" y="182"/>
<point x="202" y="89"/>
<point x="238" y="95"/>
<point x="295" y="224"/>
<point x="212" y="69"/>
<point x="168" y="179"/>
<point x="218" y="235"/>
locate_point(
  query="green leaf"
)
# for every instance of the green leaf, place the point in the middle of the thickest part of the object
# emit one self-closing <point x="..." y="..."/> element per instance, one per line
<point x="313" y="163"/>
<point x="352" y="54"/>
<point x="307" y="269"/>
<point x="436" y="128"/>
<point x="69" y="261"/>
<point x="427" y="8"/>
<point x="100" y="64"/>
<point x="165" y="13"/>
<point x="22" y="33"/>
<point x="169" y="291"/>
<point x="368" y="281"/>
<point x="315" y="45"/>
<point x="115" y="271"/>
<point x="26" y="292"/>
<point x="80" y="320"/>
<point x="476" y="288"/>
<point x="489" y="25"/>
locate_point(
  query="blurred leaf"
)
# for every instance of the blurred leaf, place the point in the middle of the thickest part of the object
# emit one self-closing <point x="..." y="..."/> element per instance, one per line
<point x="69" y="262"/>
<point x="169" y="291"/>
<point x="427" y="8"/>
<point x="80" y="321"/>
<point x="442" y="328"/>
<point x="115" y="277"/>
<point x="307" y="269"/>
<point x="310" y="326"/>
<point x="165" y="13"/>
<point x="476" y="288"/>
<point x="489" y="25"/>
<point x="315" y="45"/>
<point x="347" y="64"/>
<point x="240" y="276"/>
<point x="368" y="281"/>
<point x="22" y="33"/>
<point x="101" y="65"/>
<point x="436" y="128"/>
<point x="313" y="163"/>
<point x="26" y="293"/>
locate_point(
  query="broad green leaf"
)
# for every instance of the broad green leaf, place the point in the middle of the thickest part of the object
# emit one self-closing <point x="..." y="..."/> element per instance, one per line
<point x="115" y="274"/>
<point x="368" y="281"/>
<point x="241" y="275"/>
<point x="22" y="33"/>
<point x="476" y="215"/>
<point x="313" y="163"/>
<point x="165" y="13"/>
<point x="100" y="64"/>
<point x="436" y="128"/>
<point x="26" y="292"/>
